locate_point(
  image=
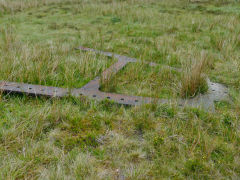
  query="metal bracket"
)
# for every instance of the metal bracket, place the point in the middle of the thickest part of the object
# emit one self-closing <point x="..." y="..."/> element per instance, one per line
<point x="91" y="90"/>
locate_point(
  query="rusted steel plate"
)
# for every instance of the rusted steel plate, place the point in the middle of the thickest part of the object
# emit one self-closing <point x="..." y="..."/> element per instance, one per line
<point x="30" y="89"/>
<point x="215" y="92"/>
<point x="91" y="90"/>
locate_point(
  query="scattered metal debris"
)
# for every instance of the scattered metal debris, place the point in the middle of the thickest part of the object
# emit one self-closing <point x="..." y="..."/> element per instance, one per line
<point x="216" y="92"/>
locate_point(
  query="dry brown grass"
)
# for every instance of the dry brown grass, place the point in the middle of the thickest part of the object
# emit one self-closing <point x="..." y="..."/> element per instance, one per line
<point x="194" y="80"/>
<point x="108" y="81"/>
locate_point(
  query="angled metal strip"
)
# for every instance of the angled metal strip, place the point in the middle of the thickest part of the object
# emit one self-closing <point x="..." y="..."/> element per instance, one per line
<point x="91" y="90"/>
<point x="30" y="89"/>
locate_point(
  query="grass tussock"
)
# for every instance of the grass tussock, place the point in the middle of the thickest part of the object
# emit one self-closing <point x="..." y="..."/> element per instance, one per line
<point x="194" y="79"/>
<point x="108" y="82"/>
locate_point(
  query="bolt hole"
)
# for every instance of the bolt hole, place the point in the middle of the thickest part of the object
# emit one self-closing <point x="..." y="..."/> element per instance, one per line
<point x="81" y="94"/>
<point x="30" y="88"/>
<point x="94" y="96"/>
<point x="213" y="90"/>
<point x="18" y="87"/>
<point x="136" y="100"/>
<point x="108" y="97"/>
<point x="122" y="99"/>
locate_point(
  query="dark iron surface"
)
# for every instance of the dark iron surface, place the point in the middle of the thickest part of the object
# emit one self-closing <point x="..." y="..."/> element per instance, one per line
<point x="92" y="89"/>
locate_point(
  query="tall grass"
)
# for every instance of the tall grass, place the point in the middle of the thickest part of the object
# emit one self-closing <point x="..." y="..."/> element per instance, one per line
<point x="143" y="80"/>
<point x="56" y="64"/>
<point x="194" y="81"/>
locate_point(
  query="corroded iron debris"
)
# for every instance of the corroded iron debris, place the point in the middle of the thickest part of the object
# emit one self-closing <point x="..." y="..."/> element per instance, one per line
<point x="216" y="91"/>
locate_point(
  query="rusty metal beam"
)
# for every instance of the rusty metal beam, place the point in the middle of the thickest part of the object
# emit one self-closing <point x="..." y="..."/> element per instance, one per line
<point x="92" y="89"/>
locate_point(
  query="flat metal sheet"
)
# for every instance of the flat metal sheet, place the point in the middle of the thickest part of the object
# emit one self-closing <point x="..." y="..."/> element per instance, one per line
<point x="216" y="92"/>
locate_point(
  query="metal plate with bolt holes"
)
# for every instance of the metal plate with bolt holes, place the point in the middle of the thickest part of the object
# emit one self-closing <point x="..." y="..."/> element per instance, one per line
<point x="216" y="92"/>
